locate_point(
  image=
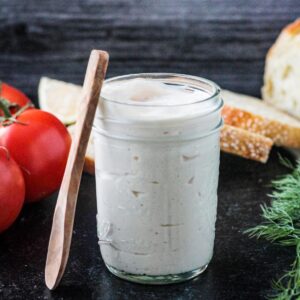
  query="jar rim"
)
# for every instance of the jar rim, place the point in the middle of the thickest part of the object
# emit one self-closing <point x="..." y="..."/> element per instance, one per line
<point x="216" y="90"/>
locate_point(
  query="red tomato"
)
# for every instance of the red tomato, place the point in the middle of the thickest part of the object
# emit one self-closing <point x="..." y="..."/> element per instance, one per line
<point x="13" y="96"/>
<point x="12" y="189"/>
<point x="40" y="144"/>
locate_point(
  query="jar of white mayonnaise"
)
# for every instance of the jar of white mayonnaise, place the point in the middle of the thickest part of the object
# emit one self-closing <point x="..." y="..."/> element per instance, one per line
<point x="157" y="165"/>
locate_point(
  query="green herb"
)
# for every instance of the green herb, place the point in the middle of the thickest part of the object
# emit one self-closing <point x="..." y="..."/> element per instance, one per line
<point x="281" y="225"/>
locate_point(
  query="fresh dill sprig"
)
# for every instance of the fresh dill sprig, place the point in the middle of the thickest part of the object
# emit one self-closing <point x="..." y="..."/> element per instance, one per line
<point x="281" y="225"/>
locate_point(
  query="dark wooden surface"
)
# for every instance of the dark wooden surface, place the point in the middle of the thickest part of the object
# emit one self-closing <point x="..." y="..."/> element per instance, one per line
<point x="240" y="269"/>
<point x="225" y="41"/>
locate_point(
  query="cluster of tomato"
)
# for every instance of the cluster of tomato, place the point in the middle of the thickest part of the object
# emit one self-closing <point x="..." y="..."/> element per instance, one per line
<point x="34" y="147"/>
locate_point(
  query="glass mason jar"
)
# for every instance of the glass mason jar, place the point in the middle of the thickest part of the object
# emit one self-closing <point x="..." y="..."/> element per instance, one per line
<point x="157" y="169"/>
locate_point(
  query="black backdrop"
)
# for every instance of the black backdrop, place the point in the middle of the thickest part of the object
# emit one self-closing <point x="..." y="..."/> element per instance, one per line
<point x="225" y="41"/>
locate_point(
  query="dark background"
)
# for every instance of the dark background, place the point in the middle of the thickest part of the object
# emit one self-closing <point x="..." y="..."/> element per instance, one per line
<point x="225" y="41"/>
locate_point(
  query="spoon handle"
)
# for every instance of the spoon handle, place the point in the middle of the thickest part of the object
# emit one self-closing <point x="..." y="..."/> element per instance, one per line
<point x="63" y="219"/>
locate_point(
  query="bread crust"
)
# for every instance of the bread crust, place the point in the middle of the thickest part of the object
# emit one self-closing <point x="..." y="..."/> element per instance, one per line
<point x="282" y="134"/>
<point x="245" y="144"/>
<point x="292" y="28"/>
<point x="89" y="165"/>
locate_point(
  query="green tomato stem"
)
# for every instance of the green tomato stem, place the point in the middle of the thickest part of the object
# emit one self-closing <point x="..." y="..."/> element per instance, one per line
<point x="4" y="106"/>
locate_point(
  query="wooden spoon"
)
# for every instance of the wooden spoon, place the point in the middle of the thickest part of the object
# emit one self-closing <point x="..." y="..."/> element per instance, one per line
<point x="63" y="219"/>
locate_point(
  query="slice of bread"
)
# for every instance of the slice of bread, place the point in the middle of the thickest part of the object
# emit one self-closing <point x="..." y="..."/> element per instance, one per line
<point x="243" y="143"/>
<point x="256" y="116"/>
<point x="282" y="71"/>
<point x="89" y="161"/>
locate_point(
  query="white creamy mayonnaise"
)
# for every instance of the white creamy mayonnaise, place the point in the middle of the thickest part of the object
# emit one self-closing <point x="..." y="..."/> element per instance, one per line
<point x="157" y="163"/>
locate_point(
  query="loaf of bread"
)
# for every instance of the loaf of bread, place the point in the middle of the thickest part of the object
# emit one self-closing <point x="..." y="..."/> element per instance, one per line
<point x="282" y="71"/>
<point x="254" y="115"/>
